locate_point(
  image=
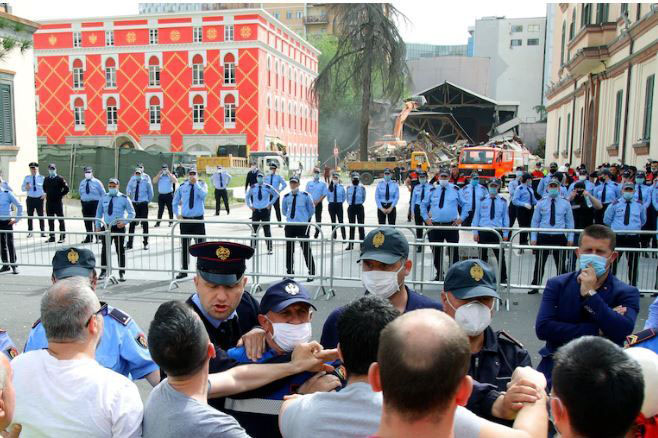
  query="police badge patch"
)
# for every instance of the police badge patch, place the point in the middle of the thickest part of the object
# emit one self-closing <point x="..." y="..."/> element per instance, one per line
<point x="12" y="352"/>
<point x="292" y="288"/>
<point x="476" y="272"/>
<point x="378" y="239"/>
<point x="141" y="340"/>
<point x="73" y="256"/>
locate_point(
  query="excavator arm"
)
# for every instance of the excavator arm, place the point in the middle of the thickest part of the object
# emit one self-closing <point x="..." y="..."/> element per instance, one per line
<point x="409" y="106"/>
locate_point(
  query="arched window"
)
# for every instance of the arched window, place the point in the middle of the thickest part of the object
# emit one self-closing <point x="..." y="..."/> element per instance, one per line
<point x="289" y="80"/>
<point x="289" y="114"/>
<point x="154" y="112"/>
<point x="110" y="73"/>
<point x="197" y="70"/>
<point x="564" y="37"/>
<point x="229" y="69"/>
<point x="269" y="111"/>
<point x="276" y="112"/>
<point x="229" y="109"/>
<point x="198" y="108"/>
<point x="79" y="112"/>
<point x="276" y="74"/>
<point x="154" y="71"/>
<point x="111" y="112"/>
<point x="78" y="74"/>
<point x="269" y="72"/>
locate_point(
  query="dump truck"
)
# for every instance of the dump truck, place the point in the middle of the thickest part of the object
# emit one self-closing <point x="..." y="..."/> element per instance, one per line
<point x="369" y="170"/>
<point x="498" y="158"/>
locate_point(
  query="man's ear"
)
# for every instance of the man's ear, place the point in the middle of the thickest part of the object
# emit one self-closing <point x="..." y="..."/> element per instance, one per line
<point x="614" y="256"/>
<point x="212" y="353"/>
<point x="464" y="391"/>
<point x="374" y="377"/>
<point x="196" y="282"/>
<point x="265" y="323"/>
<point x="407" y="267"/>
<point x="577" y="252"/>
<point x="245" y="280"/>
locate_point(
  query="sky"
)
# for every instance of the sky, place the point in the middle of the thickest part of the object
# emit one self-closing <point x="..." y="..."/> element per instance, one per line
<point x="429" y="21"/>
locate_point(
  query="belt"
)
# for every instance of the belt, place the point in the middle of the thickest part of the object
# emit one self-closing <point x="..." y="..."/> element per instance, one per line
<point x="141" y="202"/>
<point x="193" y="218"/>
<point x="442" y="223"/>
<point x="254" y="405"/>
<point x="386" y="204"/>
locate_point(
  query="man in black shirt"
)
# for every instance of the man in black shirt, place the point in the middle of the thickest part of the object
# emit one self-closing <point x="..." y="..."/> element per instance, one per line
<point x="250" y="180"/>
<point x="55" y="188"/>
<point x="583" y="205"/>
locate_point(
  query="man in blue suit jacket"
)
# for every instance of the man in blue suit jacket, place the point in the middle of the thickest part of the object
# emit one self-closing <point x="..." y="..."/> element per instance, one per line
<point x="590" y="301"/>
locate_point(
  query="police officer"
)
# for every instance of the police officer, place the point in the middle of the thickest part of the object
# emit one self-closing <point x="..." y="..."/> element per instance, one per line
<point x="468" y="296"/>
<point x="91" y="191"/>
<point x="7" y="250"/>
<point x="220" y="180"/>
<point x="511" y="187"/>
<point x="492" y="213"/>
<point x="387" y="195"/>
<point x="140" y="191"/>
<point x="607" y="192"/>
<point x="648" y="337"/>
<point x="590" y="301"/>
<point x="7" y="346"/>
<point x="582" y="176"/>
<point x="279" y="185"/>
<point x="625" y="216"/>
<point x="115" y="209"/>
<point x="55" y="188"/>
<point x="552" y="211"/>
<point x="298" y="208"/>
<point x="260" y="198"/>
<point x="166" y="182"/>
<point x="336" y="198"/>
<point x="525" y="201"/>
<point x="356" y="196"/>
<point x="541" y="188"/>
<point x="189" y="201"/>
<point x="318" y="191"/>
<point x="123" y="347"/>
<point x="33" y="188"/>
<point x="420" y="192"/>
<point x="144" y="174"/>
<point x="471" y="195"/>
<point x="411" y="182"/>
<point x="441" y="208"/>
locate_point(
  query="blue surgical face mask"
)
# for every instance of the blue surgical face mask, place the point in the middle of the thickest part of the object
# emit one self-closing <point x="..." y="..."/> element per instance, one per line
<point x="316" y="176"/>
<point x="387" y="178"/>
<point x="259" y="179"/>
<point x="553" y="193"/>
<point x="628" y="195"/>
<point x="493" y="191"/>
<point x="113" y="191"/>
<point x="598" y="262"/>
<point x="639" y="180"/>
<point x="52" y="172"/>
<point x="475" y="181"/>
<point x="519" y="174"/>
<point x="423" y="180"/>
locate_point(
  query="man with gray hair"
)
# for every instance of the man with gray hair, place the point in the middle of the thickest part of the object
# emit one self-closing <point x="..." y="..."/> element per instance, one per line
<point x="65" y="377"/>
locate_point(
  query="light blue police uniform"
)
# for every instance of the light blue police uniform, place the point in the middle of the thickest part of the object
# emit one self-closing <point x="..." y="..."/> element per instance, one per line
<point x="145" y="189"/>
<point x="223" y="182"/>
<point x="304" y="207"/>
<point x="360" y="197"/>
<point x="647" y="194"/>
<point x="338" y="195"/>
<point x="612" y="192"/>
<point x="182" y="197"/>
<point x="96" y="190"/>
<point x="7" y="199"/>
<point x="466" y="194"/>
<point x="542" y="217"/>
<point x="122" y="347"/>
<point x="261" y="195"/>
<point x="449" y="212"/>
<point x="7" y="346"/>
<point x="165" y="185"/>
<point x="541" y="187"/>
<point x="420" y="193"/>
<point x="482" y="216"/>
<point x="276" y="181"/>
<point x="317" y="189"/>
<point x="36" y="186"/>
<point x="589" y="186"/>
<point x="512" y="186"/>
<point x="122" y="209"/>
<point x="524" y="195"/>
<point x="614" y="216"/>
<point x="393" y="193"/>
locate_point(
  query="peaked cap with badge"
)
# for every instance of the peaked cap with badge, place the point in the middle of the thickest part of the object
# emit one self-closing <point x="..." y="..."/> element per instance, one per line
<point x="73" y="262"/>
<point x="385" y="245"/>
<point x="222" y="263"/>
<point x="283" y="294"/>
<point x="470" y="279"/>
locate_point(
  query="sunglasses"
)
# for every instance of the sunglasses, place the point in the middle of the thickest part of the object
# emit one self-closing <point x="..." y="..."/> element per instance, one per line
<point x="102" y="311"/>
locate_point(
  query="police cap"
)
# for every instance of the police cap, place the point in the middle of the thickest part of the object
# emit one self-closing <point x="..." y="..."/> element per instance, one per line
<point x="294" y="179"/>
<point x="192" y="171"/>
<point x="554" y="182"/>
<point x="475" y="174"/>
<point x="356" y="175"/>
<point x="470" y="279"/>
<point x="494" y="182"/>
<point x="52" y="166"/>
<point x="165" y="166"/>
<point x="221" y="263"/>
<point x="628" y="185"/>
<point x="387" y="171"/>
<point x="580" y="185"/>
<point x="88" y="169"/>
<point x="34" y="165"/>
<point x="138" y="170"/>
<point x="73" y="262"/>
<point x="283" y="294"/>
<point x="113" y="181"/>
<point x="385" y="245"/>
<point x="444" y="171"/>
<point x="273" y="165"/>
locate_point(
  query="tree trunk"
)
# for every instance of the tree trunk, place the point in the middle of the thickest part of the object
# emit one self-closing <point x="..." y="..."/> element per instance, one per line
<point x="366" y="98"/>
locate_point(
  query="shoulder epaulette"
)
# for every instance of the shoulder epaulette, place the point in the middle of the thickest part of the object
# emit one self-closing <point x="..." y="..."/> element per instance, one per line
<point x="36" y="323"/>
<point x="122" y="317"/>
<point x="639" y="337"/>
<point x="504" y="334"/>
<point x="287" y="194"/>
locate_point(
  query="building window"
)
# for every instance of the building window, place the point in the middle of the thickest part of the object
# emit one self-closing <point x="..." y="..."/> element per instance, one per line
<point x="6" y="115"/>
<point x="228" y="32"/>
<point x="515" y="43"/>
<point x="78" y="75"/>
<point x="572" y="25"/>
<point x="269" y="111"/>
<point x="567" y="141"/>
<point x="154" y="113"/>
<point x="229" y="110"/>
<point x="109" y="38"/>
<point x="277" y="15"/>
<point x="289" y="15"/>
<point x="269" y="71"/>
<point x="154" y="72"/>
<point x="79" y="113"/>
<point x="602" y="13"/>
<point x="77" y="39"/>
<point x="300" y="14"/>
<point x="229" y="69"/>
<point x="562" y="44"/>
<point x="586" y="14"/>
<point x="153" y="36"/>
<point x="197" y="70"/>
<point x="198" y="35"/>
<point x="582" y="127"/>
<point x="289" y="80"/>
<point x="517" y="28"/>
<point x="559" y="129"/>
<point x="533" y="28"/>
<point x="110" y="73"/>
<point x="533" y="42"/>
<point x="197" y="111"/>
<point x="648" y="108"/>
<point x="624" y="10"/>
<point x="618" y="107"/>
<point x="111" y="112"/>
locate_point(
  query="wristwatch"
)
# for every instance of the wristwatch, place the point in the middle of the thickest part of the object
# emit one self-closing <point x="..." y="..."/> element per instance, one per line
<point x="590" y="293"/>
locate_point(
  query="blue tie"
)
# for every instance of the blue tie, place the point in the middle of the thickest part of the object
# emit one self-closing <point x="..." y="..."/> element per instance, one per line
<point x="191" y="202"/>
<point x="110" y="208"/>
<point x="137" y="191"/>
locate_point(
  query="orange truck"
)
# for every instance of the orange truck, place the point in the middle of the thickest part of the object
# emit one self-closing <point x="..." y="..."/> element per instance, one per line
<point x="491" y="162"/>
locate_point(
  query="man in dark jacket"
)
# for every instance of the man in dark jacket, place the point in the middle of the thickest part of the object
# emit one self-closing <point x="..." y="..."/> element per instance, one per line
<point x="55" y="188"/>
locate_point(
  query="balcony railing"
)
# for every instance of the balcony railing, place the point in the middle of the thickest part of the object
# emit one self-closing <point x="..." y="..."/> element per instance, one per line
<point x="316" y="19"/>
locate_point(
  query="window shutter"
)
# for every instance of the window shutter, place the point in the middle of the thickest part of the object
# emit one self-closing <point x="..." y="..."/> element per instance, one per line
<point x="6" y="115"/>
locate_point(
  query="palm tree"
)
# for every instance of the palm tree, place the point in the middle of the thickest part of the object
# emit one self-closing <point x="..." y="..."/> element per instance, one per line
<point x="370" y="51"/>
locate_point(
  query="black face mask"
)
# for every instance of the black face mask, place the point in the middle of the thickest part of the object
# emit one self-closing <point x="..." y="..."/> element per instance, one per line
<point x="579" y="193"/>
<point x="355" y="182"/>
<point x="553" y="170"/>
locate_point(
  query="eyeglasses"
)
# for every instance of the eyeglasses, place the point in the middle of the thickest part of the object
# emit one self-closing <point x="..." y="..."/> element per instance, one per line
<point x="102" y="311"/>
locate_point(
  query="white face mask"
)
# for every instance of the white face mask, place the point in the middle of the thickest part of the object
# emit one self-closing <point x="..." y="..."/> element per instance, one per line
<point x="288" y="336"/>
<point x="582" y="177"/>
<point x="473" y="317"/>
<point x="88" y="175"/>
<point x="381" y="283"/>
<point x="443" y="182"/>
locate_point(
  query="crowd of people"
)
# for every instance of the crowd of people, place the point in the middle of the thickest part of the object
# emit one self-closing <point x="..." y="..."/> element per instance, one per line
<point x="392" y="363"/>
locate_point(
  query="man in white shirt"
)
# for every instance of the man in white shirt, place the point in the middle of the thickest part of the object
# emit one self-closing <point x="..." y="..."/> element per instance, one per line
<point x="62" y="391"/>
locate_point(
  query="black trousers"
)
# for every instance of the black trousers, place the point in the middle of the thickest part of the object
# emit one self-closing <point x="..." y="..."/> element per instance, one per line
<point x="190" y="229"/>
<point x="118" y="246"/>
<point x="525" y="219"/>
<point x="336" y="214"/>
<point x="165" y="200"/>
<point x="598" y="214"/>
<point x="451" y="236"/>
<point x="299" y="231"/>
<point x="277" y="208"/>
<point x="512" y="210"/>
<point x="632" y="258"/>
<point x="141" y="212"/>
<point x="487" y="237"/>
<point x="261" y="215"/>
<point x="7" y="250"/>
<point x="222" y="194"/>
<point x="542" y="255"/>
<point x="318" y="218"/>
<point x="55" y="209"/>
<point x="418" y="220"/>
<point x="356" y="214"/>
<point x="382" y="218"/>
<point x="469" y="218"/>
<point x="649" y="240"/>
<point x="89" y="210"/>
<point x="35" y="204"/>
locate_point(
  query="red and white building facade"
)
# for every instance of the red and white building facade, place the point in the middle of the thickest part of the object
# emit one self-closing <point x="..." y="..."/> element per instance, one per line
<point x="192" y="82"/>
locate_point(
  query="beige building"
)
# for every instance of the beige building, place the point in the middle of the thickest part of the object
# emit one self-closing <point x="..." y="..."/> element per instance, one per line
<point x="600" y="94"/>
